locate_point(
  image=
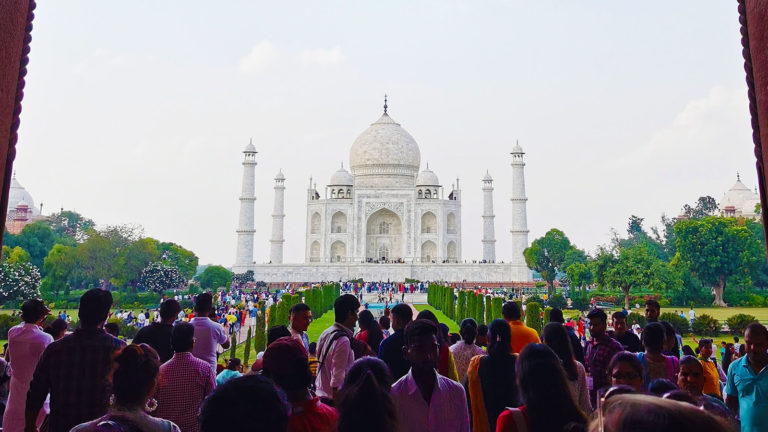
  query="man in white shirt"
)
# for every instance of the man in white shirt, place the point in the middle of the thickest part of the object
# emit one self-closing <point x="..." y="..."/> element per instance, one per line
<point x="208" y="334"/>
<point x="691" y="315"/>
<point x="425" y="400"/>
<point x="334" y="349"/>
<point x="300" y="317"/>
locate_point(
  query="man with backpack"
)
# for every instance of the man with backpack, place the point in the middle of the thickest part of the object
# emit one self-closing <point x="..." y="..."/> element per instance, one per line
<point x="335" y="348"/>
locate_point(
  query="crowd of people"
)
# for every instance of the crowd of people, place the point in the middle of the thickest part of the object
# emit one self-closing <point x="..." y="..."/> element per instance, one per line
<point x="415" y="376"/>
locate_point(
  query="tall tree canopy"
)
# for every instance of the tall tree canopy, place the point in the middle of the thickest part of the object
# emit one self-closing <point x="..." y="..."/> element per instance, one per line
<point x="638" y="267"/>
<point x="214" y="277"/>
<point x="547" y="254"/>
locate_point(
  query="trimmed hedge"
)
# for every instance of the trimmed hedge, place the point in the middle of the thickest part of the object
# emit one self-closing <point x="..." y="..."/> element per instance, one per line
<point x="706" y="325"/>
<point x="681" y="325"/>
<point x="738" y="323"/>
<point x="533" y="316"/>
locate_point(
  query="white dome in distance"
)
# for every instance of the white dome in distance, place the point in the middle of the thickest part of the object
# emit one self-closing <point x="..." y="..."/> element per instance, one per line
<point x="18" y="195"/>
<point x="341" y="177"/>
<point x="427" y="178"/>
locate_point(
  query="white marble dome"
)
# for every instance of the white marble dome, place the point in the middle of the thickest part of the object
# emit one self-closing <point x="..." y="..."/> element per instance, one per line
<point x="18" y="195"/>
<point x="741" y="199"/>
<point x="427" y="178"/>
<point x="385" y="154"/>
<point x="341" y="177"/>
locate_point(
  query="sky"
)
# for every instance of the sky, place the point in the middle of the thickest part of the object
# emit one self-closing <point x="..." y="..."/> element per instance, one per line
<point x="138" y="112"/>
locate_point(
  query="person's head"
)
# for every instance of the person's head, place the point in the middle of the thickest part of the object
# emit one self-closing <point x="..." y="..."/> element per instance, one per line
<point x="652" y="310"/>
<point x="241" y="400"/>
<point x="499" y="337"/>
<point x="345" y="310"/>
<point x="653" y="337"/>
<point x="688" y="351"/>
<point x="57" y="329"/>
<point x="723" y="344"/>
<point x="556" y="315"/>
<point x="482" y="336"/>
<point x="364" y="400"/>
<point x="421" y="346"/>
<point x="401" y="315"/>
<point x="619" y="323"/>
<point x="182" y="337"/>
<point x="235" y="364"/>
<point x="643" y="413"/>
<point x="286" y="362"/>
<point x="556" y="337"/>
<point x="94" y="307"/>
<point x="112" y="328"/>
<point x="204" y="304"/>
<point x="34" y="311"/>
<point x="660" y="386"/>
<point x="728" y="350"/>
<point x="384" y="322"/>
<point x="365" y="320"/>
<point x="300" y="317"/>
<point x="705" y="348"/>
<point x="625" y="369"/>
<point x="543" y="385"/>
<point x="312" y="348"/>
<point x="510" y="311"/>
<point x="597" y="322"/>
<point x="276" y="332"/>
<point x="756" y="343"/>
<point x="134" y="375"/>
<point x="468" y="330"/>
<point x="691" y="377"/>
<point x="670" y="340"/>
<point x="169" y="311"/>
<point x="735" y="339"/>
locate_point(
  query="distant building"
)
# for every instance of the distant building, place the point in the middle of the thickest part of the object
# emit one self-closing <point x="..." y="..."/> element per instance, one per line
<point x="740" y="201"/>
<point x="21" y="208"/>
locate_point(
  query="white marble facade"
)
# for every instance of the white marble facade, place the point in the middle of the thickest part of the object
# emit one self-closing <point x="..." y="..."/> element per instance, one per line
<point x="387" y="220"/>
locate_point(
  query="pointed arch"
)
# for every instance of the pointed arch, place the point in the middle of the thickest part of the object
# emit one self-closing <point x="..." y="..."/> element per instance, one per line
<point x="428" y="223"/>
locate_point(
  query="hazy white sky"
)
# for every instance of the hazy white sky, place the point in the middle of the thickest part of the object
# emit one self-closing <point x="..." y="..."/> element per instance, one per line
<point x="137" y="112"/>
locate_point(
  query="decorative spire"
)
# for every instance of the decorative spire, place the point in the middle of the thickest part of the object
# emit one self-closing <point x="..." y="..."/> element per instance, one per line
<point x="738" y="178"/>
<point x="342" y="164"/>
<point x="427" y="165"/>
<point x="385" y="103"/>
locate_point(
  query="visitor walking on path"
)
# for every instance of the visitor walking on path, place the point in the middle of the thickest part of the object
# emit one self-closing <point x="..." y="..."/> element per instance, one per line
<point x="158" y="334"/>
<point x="446" y="366"/>
<point x="427" y="401"/>
<point x="521" y="335"/>
<point x="655" y="364"/>
<point x="75" y="370"/>
<point x="600" y="350"/>
<point x="300" y="316"/>
<point x="627" y="339"/>
<point x="370" y="332"/>
<point x="464" y="350"/>
<point x="334" y="348"/>
<point x="391" y="348"/>
<point x="556" y="315"/>
<point x="365" y="402"/>
<point x="208" y="334"/>
<point x="747" y="380"/>
<point x="652" y="310"/>
<point x="555" y="336"/>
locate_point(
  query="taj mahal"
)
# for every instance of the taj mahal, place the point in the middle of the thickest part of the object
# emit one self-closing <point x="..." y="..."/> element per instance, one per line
<point x="384" y="220"/>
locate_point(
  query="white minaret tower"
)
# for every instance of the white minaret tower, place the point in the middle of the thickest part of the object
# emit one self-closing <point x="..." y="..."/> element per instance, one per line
<point x="245" y="228"/>
<point x="278" y="215"/>
<point x="489" y="232"/>
<point x="520" y="270"/>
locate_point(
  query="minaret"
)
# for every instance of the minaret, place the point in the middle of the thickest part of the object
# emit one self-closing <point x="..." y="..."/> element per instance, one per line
<point x="520" y="270"/>
<point x="489" y="232"/>
<point x="245" y="228"/>
<point x="278" y="215"/>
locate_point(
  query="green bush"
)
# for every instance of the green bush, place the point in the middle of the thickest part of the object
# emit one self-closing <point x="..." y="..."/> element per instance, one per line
<point x="755" y="300"/>
<point x="738" y="323"/>
<point x="736" y="297"/>
<point x="533" y="316"/>
<point x="580" y="302"/>
<point x="635" y="317"/>
<point x="247" y="348"/>
<point x="534" y="299"/>
<point x="6" y="322"/>
<point x="664" y="303"/>
<point x="681" y="325"/>
<point x="558" y="301"/>
<point x="706" y="325"/>
<point x="547" y="310"/>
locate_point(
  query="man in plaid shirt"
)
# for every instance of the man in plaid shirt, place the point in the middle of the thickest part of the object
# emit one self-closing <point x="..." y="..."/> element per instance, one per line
<point x="600" y="350"/>
<point x="184" y="381"/>
<point x="75" y="369"/>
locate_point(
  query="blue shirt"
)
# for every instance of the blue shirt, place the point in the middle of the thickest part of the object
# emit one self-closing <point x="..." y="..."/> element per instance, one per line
<point x="226" y="375"/>
<point x="391" y="353"/>
<point x="752" y="391"/>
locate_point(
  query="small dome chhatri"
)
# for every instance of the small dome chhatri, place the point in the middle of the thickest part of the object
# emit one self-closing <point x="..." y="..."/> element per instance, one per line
<point x="341" y="177"/>
<point x="427" y="178"/>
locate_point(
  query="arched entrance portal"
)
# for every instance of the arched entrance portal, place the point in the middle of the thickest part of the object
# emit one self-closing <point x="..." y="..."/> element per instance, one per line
<point x="384" y="236"/>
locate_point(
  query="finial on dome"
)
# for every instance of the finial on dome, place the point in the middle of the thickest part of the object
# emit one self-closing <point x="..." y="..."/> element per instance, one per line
<point x="427" y="165"/>
<point x="385" y="103"/>
<point x="738" y="178"/>
<point x="342" y="164"/>
<point x="14" y="174"/>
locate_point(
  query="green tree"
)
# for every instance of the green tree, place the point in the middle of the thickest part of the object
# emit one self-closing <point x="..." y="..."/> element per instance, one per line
<point x="547" y="254"/>
<point x="58" y="265"/>
<point x="718" y="248"/>
<point x="36" y="238"/>
<point x="215" y="276"/>
<point x="71" y="224"/>
<point x="247" y="350"/>
<point x="637" y="267"/>
<point x="579" y="275"/>
<point x="174" y="255"/>
<point x="599" y="267"/>
<point x="133" y="259"/>
<point x="705" y="206"/>
<point x="18" y="282"/>
<point x="533" y="316"/>
<point x="95" y="261"/>
<point x="15" y="255"/>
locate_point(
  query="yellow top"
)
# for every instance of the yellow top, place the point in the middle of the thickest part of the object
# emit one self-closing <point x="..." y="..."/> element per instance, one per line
<point x="711" y="378"/>
<point x="522" y="336"/>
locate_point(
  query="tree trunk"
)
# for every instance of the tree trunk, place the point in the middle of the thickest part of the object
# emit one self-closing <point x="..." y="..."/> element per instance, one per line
<point x="626" y="298"/>
<point x="718" y="290"/>
<point x="551" y="288"/>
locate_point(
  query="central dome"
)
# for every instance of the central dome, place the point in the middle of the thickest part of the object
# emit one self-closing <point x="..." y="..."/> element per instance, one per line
<point x="385" y="155"/>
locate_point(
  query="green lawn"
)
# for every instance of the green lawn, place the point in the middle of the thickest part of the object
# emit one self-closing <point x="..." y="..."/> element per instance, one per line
<point x="319" y="325"/>
<point x="452" y="326"/>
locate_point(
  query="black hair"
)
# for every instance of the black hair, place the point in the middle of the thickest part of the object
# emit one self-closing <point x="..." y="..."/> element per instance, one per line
<point x="112" y="328"/>
<point x="482" y="329"/>
<point x="135" y="373"/>
<point x="419" y="328"/>
<point x="57" y="326"/>
<point x="234" y="363"/>
<point x="368" y="322"/>
<point x="653" y="336"/>
<point x="599" y="314"/>
<point x="296" y="376"/>
<point x="510" y="311"/>
<point x="403" y="312"/>
<point x="659" y="386"/>
<point x="628" y="358"/>
<point x="468" y="330"/>
<point x="556" y="337"/>
<point x="736" y="339"/>
<point x="384" y="322"/>
<point x="688" y="351"/>
<point x="497" y="374"/>
<point x="669" y="332"/>
<point x="234" y="404"/>
<point x="618" y="315"/>
<point x="203" y="303"/>
<point x="757" y="329"/>
<point x="343" y="305"/>
<point x="500" y="339"/>
<point x="298" y="307"/>
<point x="276" y="332"/>
<point x="545" y="391"/>
<point x="365" y="402"/>
<point x="33" y="310"/>
<point x="430" y="316"/>
<point x="182" y="337"/>
<point x="653" y="303"/>
<point x="556" y="315"/>
<point x="689" y="359"/>
<point x="169" y="309"/>
<point x="94" y="307"/>
<point x="313" y="348"/>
